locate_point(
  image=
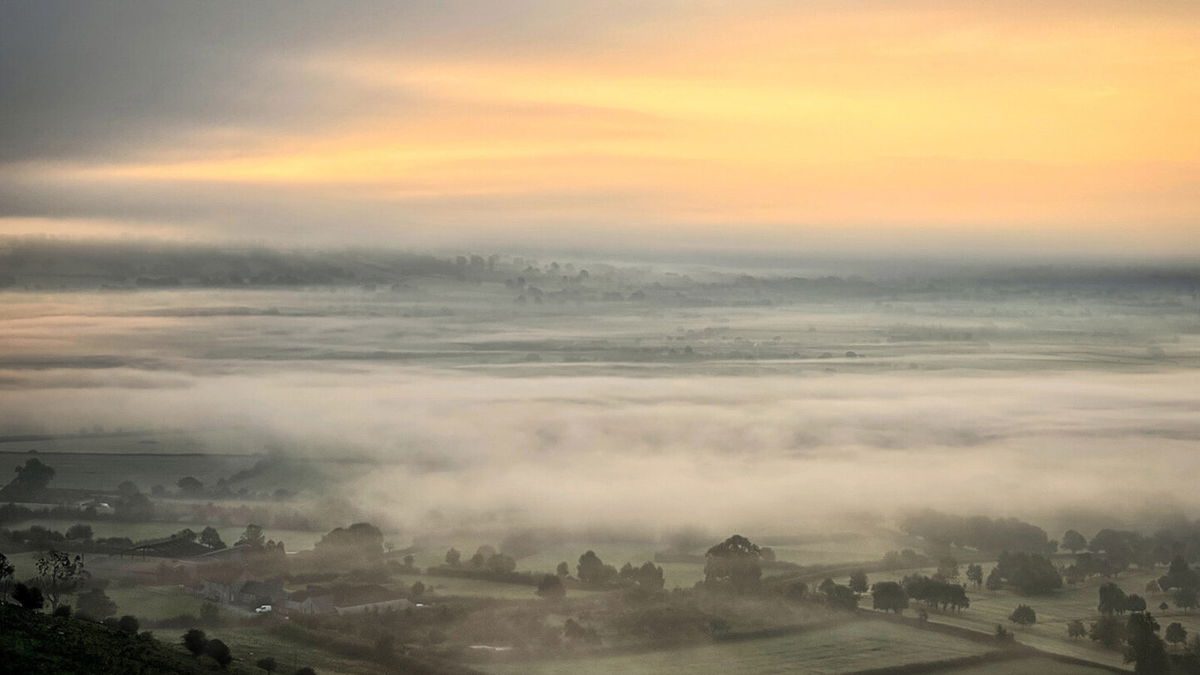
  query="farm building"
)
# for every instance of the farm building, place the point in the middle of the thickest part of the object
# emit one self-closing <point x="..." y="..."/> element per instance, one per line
<point x="346" y="600"/>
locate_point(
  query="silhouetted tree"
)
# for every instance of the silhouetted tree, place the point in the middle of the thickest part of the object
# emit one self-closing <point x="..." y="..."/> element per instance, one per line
<point x="975" y="574"/>
<point x="551" y="587"/>
<point x="1076" y="629"/>
<point x="190" y="486"/>
<point x="889" y="596"/>
<point x="1146" y="648"/>
<point x="96" y="604"/>
<point x="6" y="576"/>
<point x="453" y="557"/>
<point x="211" y="538"/>
<point x="1112" y="599"/>
<point x="1185" y="599"/>
<point x="1176" y="634"/>
<point x="32" y="477"/>
<point x="254" y="538"/>
<point x="858" y="582"/>
<point x="59" y="573"/>
<point x="29" y="597"/>
<point x="947" y="568"/>
<point x="736" y="562"/>
<point x="128" y="624"/>
<point x="1073" y="541"/>
<point x="79" y="532"/>
<point x="592" y="570"/>
<point x="194" y="641"/>
<point x="219" y="652"/>
<point x="563" y="570"/>
<point x="1135" y="603"/>
<point x="1108" y="630"/>
<point x="1023" y="615"/>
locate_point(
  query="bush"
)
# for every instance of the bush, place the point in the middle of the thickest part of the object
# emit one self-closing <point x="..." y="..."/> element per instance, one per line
<point x="128" y="624"/>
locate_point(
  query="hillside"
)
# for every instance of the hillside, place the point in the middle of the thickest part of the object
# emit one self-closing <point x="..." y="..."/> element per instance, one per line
<point x="34" y="643"/>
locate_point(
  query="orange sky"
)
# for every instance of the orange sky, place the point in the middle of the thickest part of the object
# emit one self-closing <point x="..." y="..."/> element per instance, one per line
<point x="783" y="122"/>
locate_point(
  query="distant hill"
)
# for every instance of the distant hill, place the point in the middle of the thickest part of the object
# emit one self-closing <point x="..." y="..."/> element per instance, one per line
<point x="33" y="643"/>
<point x="66" y="264"/>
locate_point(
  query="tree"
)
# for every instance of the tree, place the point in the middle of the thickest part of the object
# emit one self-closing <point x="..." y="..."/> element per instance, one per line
<point x="858" y="582"/>
<point x="1176" y="634"/>
<point x="127" y="488"/>
<point x="194" y="641"/>
<point x="6" y="576"/>
<point x="253" y="537"/>
<point x="1112" y="599"/>
<point x="79" y="532"/>
<point x="211" y="538"/>
<point x="975" y="574"/>
<point x="128" y="624"/>
<point x="736" y="562"/>
<point x="32" y="478"/>
<point x="1185" y="599"/>
<point x="209" y="614"/>
<point x="501" y="564"/>
<point x="219" y="652"/>
<point x="947" y="568"/>
<point x="889" y="596"/>
<point x="649" y="577"/>
<point x="190" y="486"/>
<point x="453" y="557"/>
<point x="28" y="597"/>
<point x="1179" y="575"/>
<point x="994" y="581"/>
<point x="841" y="597"/>
<point x="409" y="560"/>
<point x="1073" y="541"/>
<point x="417" y="589"/>
<point x="1108" y="630"/>
<point x="1135" y="603"/>
<point x="268" y="664"/>
<point x="551" y="587"/>
<point x="563" y="570"/>
<point x="1146" y="648"/>
<point x="96" y="604"/>
<point x="59" y="574"/>
<point x="1076" y="629"/>
<point x="1023" y="615"/>
<point x="591" y="570"/>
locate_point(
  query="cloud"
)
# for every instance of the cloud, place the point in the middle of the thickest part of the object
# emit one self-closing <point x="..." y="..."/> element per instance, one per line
<point x="827" y="124"/>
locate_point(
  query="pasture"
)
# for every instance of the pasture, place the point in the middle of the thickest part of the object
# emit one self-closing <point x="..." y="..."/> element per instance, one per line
<point x="844" y="648"/>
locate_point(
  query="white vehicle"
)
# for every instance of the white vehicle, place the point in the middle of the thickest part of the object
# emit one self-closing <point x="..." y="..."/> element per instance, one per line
<point x="265" y="609"/>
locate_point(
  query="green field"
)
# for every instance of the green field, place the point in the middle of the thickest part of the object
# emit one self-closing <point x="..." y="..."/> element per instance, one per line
<point x="250" y="643"/>
<point x="989" y="608"/>
<point x="1039" y="665"/>
<point x="294" y="540"/>
<point x="854" y="646"/>
<point x="151" y="603"/>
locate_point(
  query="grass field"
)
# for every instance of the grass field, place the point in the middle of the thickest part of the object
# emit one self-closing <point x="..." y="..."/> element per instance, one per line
<point x="1039" y="665"/>
<point x="845" y="648"/>
<point x="150" y="603"/>
<point x="294" y="540"/>
<point x="251" y="643"/>
<point x="1054" y="611"/>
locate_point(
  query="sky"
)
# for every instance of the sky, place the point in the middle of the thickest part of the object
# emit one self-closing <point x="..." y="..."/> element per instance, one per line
<point x="957" y="127"/>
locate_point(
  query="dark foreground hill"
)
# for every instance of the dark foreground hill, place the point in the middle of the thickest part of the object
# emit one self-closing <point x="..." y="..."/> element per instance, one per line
<point x="33" y="643"/>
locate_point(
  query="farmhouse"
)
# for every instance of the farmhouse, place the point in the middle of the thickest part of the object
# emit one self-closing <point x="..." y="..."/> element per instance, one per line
<point x="235" y="587"/>
<point x="344" y="600"/>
